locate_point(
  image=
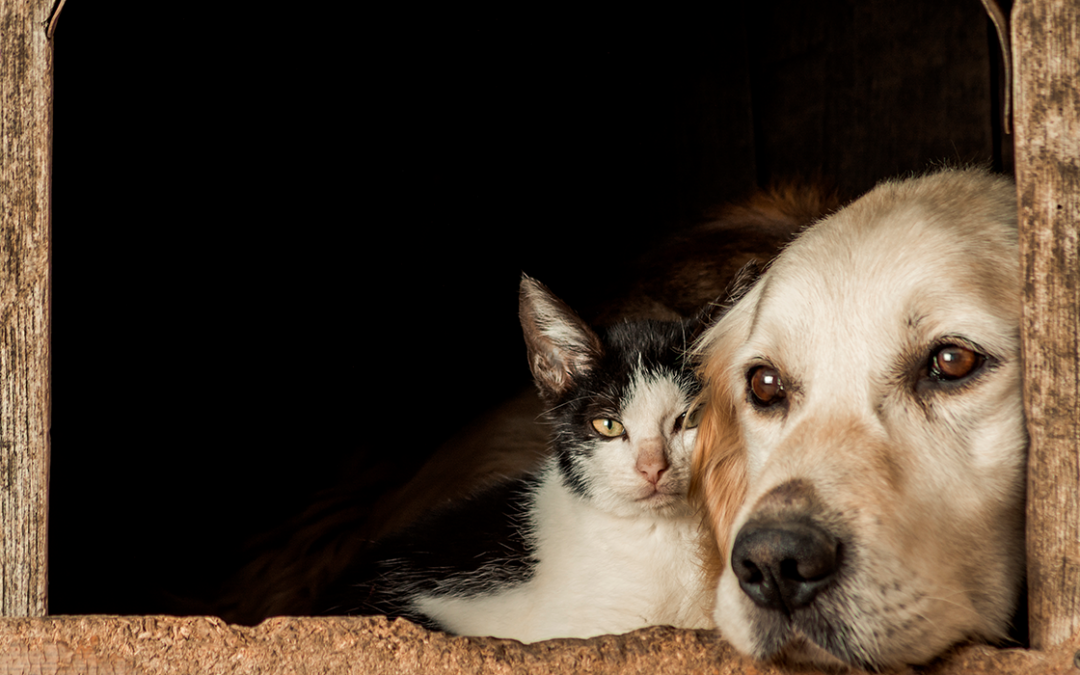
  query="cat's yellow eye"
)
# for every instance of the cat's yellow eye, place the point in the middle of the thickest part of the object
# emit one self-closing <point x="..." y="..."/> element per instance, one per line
<point x="609" y="428"/>
<point x="693" y="417"/>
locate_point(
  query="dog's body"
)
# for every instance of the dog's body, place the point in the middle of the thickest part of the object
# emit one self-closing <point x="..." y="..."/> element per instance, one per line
<point x="862" y="455"/>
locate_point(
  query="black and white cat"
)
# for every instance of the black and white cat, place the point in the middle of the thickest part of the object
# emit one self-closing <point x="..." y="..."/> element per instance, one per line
<point x="602" y="539"/>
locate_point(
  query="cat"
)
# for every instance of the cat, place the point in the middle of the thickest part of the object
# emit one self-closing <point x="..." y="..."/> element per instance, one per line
<point x="601" y="539"/>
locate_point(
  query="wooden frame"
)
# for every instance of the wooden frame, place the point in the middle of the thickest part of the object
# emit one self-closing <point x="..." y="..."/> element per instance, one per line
<point x="1046" y="60"/>
<point x="377" y="646"/>
<point x="25" y="204"/>
<point x="1046" y="39"/>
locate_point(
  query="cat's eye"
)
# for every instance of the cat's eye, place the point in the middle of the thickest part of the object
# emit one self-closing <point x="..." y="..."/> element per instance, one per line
<point x="766" y="387"/>
<point x="608" y="427"/>
<point x="693" y="417"/>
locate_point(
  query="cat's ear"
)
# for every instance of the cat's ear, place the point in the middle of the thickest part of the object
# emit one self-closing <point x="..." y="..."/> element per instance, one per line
<point x="561" y="346"/>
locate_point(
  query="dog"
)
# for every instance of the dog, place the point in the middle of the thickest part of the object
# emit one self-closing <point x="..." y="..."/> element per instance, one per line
<point x="861" y="456"/>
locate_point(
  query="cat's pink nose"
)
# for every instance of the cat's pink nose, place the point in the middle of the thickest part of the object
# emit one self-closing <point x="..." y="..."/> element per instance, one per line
<point x="652" y="463"/>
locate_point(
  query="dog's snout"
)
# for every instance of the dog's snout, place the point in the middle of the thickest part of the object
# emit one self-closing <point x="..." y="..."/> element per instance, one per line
<point x="783" y="566"/>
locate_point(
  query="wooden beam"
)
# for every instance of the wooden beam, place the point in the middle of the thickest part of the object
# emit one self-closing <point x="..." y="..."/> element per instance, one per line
<point x="377" y="646"/>
<point x="1046" y="52"/>
<point x="25" y="177"/>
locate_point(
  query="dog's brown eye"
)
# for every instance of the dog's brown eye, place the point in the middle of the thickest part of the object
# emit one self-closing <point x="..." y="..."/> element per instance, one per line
<point x="766" y="387"/>
<point x="953" y="362"/>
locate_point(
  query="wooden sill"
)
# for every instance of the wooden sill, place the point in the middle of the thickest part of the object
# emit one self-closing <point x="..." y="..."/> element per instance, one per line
<point x="375" y="646"/>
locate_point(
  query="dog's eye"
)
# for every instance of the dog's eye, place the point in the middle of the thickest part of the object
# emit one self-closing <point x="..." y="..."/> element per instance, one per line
<point x="608" y="427"/>
<point x="766" y="387"/>
<point x="954" y="362"/>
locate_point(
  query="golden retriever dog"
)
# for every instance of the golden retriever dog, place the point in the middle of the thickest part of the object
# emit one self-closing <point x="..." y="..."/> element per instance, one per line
<point x="862" y="449"/>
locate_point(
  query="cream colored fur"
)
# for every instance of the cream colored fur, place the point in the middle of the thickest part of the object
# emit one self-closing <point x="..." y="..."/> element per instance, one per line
<point x="923" y="484"/>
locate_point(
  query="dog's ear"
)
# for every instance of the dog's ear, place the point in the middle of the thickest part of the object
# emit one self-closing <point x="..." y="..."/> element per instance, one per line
<point x="561" y="347"/>
<point x="718" y="473"/>
<point x="718" y="476"/>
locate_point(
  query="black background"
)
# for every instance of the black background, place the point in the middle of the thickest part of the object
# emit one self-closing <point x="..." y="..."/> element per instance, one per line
<point x="287" y="241"/>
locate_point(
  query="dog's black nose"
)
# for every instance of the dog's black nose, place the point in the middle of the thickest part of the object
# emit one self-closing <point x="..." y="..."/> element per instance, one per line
<point x="784" y="565"/>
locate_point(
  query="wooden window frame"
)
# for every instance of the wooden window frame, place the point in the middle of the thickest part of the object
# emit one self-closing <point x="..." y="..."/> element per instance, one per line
<point x="1046" y="99"/>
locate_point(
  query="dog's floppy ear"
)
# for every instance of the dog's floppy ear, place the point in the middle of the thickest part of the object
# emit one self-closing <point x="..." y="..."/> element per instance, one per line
<point x="561" y="346"/>
<point x="718" y="484"/>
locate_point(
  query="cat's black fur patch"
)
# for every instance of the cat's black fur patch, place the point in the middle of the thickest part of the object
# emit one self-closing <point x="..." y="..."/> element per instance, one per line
<point x="472" y="548"/>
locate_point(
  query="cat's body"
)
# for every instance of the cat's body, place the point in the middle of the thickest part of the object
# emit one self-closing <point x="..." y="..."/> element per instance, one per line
<point x="601" y="539"/>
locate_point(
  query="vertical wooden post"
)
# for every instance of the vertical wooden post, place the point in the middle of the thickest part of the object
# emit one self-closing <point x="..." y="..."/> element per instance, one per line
<point x="1046" y="44"/>
<point x="25" y="175"/>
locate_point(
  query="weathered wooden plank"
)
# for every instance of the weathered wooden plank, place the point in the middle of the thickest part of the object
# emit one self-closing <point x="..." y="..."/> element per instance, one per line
<point x="1046" y="43"/>
<point x="25" y="170"/>
<point x="378" y="646"/>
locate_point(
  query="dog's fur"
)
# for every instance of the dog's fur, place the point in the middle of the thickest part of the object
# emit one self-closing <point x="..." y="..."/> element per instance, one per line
<point x="915" y="479"/>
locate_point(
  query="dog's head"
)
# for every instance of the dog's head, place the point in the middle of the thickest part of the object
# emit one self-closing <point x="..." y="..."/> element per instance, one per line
<point x="862" y="449"/>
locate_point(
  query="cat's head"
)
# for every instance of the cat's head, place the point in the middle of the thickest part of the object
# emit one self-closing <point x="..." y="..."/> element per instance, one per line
<point x="618" y="400"/>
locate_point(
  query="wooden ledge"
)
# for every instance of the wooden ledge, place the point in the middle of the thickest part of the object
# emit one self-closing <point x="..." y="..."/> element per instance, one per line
<point x="375" y="645"/>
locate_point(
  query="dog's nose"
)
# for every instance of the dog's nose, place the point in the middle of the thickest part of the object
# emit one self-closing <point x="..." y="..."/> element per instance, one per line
<point x="784" y="565"/>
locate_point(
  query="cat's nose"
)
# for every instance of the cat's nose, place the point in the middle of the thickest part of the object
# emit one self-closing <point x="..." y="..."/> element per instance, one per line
<point x="652" y="462"/>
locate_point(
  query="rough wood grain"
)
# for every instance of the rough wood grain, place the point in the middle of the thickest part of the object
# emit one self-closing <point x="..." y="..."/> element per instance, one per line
<point x="378" y="646"/>
<point x="25" y="159"/>
<point x="1046" y="39"/>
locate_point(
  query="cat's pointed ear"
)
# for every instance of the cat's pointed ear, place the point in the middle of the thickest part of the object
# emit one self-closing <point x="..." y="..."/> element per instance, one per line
<point x="561" y="346"/>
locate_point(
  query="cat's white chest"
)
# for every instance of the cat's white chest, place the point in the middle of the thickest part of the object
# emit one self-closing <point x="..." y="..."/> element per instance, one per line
<point x="597" y="574"/>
